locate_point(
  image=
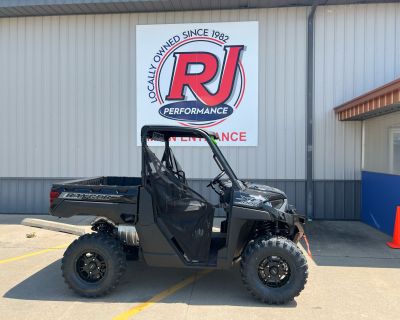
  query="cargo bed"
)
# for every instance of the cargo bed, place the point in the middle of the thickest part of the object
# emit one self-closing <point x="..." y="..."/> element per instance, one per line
<point x="108" y="196"/>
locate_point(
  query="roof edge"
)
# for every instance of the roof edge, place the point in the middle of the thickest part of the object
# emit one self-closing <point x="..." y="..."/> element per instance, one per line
<point x="369" y="95"/>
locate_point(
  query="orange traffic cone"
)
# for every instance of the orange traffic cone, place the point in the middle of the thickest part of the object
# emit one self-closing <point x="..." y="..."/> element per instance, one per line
<point x="395" y="244"/>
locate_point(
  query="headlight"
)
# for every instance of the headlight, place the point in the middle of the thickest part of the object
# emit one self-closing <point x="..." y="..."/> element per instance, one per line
<point x="276" y="204"/>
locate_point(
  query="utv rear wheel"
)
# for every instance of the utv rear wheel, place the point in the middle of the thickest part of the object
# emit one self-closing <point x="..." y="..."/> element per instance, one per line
<point x="93" y="264"/>
<point x="274" y="270"/>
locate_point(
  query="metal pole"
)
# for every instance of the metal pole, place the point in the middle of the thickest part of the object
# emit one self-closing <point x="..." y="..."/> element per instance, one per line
<point x="309" y="114"/>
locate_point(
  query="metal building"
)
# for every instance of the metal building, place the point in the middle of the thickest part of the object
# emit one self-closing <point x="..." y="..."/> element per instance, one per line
<point x="68" y="107"/>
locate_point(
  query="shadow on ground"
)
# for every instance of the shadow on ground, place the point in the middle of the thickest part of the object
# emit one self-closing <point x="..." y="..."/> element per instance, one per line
<point x="350" y="244"/>
<point x="140" y="283"/>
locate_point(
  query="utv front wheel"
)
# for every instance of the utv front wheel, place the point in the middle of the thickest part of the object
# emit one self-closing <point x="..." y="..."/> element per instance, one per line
<point x="93" y="264"/>
<point x="274" y="269"/>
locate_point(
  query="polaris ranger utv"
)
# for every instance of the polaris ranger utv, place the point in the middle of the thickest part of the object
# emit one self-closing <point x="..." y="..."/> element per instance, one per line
<point x="160" y="219"/>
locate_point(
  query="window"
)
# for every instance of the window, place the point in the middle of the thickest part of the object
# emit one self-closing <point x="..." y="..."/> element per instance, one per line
<point x="394" y="154"/>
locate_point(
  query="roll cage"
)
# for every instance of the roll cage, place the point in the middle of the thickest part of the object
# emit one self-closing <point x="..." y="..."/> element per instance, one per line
<point x="165" y="133"/>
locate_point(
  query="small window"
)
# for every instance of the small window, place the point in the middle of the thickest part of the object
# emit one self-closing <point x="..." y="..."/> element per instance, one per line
<point x="394" y="153"/>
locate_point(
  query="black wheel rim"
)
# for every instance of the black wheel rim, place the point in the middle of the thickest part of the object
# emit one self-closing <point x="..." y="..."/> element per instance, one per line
<point x="91" y="267"/>
<point x="274" y="271"/>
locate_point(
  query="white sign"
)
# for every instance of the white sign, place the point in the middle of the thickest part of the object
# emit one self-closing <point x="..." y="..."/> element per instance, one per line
<point x="201" y="75"/>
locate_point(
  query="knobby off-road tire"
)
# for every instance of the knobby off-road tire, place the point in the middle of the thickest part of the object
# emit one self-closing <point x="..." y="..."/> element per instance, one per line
<point x="93" y="264"/>
<point x="260" y="258"/>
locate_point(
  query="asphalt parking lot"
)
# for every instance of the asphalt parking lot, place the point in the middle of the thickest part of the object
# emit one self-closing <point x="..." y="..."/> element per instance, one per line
<point x="353" y="275"/>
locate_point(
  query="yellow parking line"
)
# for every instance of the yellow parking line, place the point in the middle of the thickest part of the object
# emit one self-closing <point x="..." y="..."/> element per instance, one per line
<point x="31" y="254"/>
<point x="160" y="296"/>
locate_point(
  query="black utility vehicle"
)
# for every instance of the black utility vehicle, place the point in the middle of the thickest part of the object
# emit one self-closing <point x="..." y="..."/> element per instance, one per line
<point x="159" y="218"/>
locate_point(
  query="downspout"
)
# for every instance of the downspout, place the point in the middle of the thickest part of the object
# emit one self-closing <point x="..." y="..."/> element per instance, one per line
<point x="309" y="114"/>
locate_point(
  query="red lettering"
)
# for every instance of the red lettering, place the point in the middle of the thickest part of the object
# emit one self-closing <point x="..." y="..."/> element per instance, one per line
<point x="225" y="136"/>
<point x="196" y="82"/>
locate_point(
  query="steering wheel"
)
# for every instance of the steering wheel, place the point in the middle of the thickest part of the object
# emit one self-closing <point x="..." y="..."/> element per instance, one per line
<point x="215" y="180"/>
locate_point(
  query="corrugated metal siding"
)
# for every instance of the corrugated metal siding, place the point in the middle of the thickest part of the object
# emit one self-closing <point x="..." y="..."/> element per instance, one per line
<point x="67" y="89"/>
<point x="337" y="199"/>
<point x="24" y="195"/>
<point x="357" y="48"/>
<point x="51" y="7"/>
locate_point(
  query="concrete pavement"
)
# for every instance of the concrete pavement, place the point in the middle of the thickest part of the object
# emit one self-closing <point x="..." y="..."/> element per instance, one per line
<point x="347" y="281"/>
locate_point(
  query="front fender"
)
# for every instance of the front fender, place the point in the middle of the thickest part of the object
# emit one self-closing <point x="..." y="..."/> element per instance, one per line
<point x="241" y="226"/>
<point x="269" y="213"/>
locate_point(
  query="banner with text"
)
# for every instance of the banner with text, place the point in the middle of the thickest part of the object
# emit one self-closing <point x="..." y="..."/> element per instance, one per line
<point x="201" y="75"/>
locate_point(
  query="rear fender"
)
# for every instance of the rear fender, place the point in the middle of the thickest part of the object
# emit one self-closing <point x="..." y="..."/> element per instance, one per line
<point x="103" y="224"/>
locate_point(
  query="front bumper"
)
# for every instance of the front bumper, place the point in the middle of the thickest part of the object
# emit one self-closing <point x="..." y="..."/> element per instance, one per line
<point x="294" y="220"/>
<point x="299" y="233"/>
